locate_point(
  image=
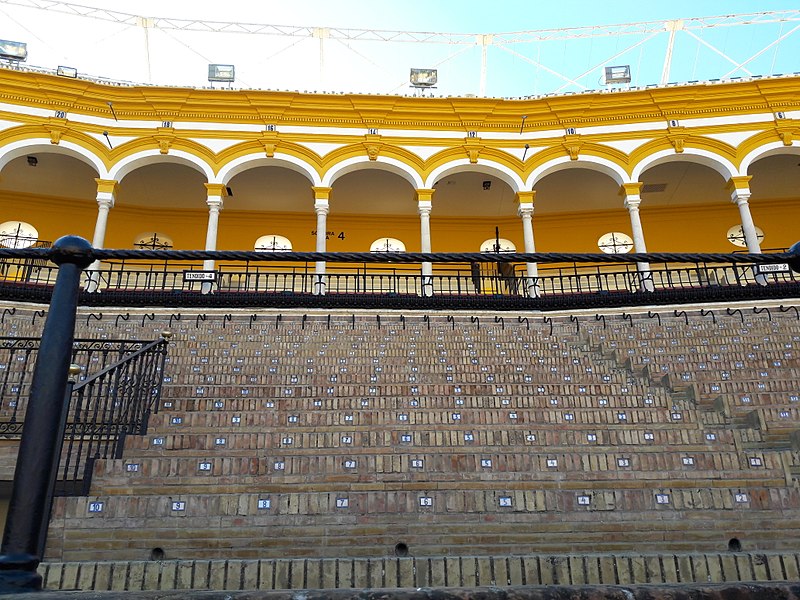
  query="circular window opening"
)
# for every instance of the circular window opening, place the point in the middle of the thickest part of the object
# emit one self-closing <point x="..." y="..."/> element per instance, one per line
<point x="157" y="554"/>
<point x="736" y="237"/>
<point x="153" y="241"/>
<point x="387" y="244"/>
<point x="734" y="545"/>
<point x="615" y="243"/>
<point x="498" y="245"/>
<point x="273" y="243"/>
<point x="401" y="549"/>
<point x="18" y="234"/>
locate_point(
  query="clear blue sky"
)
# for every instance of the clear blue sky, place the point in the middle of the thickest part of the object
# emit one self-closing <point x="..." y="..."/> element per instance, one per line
<point x="180" y="58"/>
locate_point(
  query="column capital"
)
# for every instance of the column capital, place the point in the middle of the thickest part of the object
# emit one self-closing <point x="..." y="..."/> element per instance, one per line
<point x="632" y="202"/>
<point x="107" y="186"/>
<point x="424" y="207"/>
<point x="216" y="189"/>
<point x="424" y="195"/>
<point x="215" y="194"/>
<point x="632" y="188"/>
<point x="526" y="197"/>
<point x="322" y="207"/>
<point x="106" y="192"/>
<point x="739" y="188"/>
<point x="321" y="193"/>
<point x="105" y="203"/>
<point x="525" y="209"/>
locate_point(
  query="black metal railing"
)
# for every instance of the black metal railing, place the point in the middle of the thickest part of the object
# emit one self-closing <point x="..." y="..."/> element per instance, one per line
<point x="105" y="406"/>
<point x="482" y="280"/>
<point x="17" y="359"/>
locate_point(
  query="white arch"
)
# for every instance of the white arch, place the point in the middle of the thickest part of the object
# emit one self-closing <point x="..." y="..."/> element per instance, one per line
<point x="586" y="161"/>
<point x="30" y="146"/>
<point x="251" y="161"/>
<point x="153" y="156"/>
<point x="696" y="155"/>
<point x="384" y="163"/>
<point x="489" y="167"/>
<point x="770" y="149"/>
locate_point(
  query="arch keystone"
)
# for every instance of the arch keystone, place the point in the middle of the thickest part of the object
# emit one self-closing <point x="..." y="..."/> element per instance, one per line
<point x="678" y="141"/>
<point x="786" y="134"/>
<point x="473" y="147"/>
<point x="373" y="145"/>
<point x="572" y="144"/>
<point x="269" y="139"/>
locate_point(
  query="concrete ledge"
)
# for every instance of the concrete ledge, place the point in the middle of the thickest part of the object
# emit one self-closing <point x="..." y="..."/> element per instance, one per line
<point x="739" y="591"/>
<point x="467" y="572"/>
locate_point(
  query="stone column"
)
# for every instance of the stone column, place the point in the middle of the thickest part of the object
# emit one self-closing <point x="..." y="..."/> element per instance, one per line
<point x="424" y="206"/>
<point x="525" y="211"/>
<point x="321" y="207"/>
<point x="631" y="193"/>
<point x="106" y="196"/>
<point x="739" y="188"/>
<point x="215" y="200"/>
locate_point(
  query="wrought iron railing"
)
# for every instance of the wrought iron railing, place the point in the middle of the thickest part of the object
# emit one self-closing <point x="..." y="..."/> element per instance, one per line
<point x="105" y="406"/>
<point x="486" y="281"/>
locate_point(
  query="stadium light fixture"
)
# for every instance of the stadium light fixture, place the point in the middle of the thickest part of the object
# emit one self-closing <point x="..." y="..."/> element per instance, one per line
<point x="67" y="72"/>
<point x="223" y="73"/>
<point x="618" y="74"/>
<point x="16" y="51"/>
<point x="423" y="78"/>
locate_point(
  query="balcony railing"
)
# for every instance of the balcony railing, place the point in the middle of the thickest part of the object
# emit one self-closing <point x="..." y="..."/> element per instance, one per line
<point x="488" y="281"/>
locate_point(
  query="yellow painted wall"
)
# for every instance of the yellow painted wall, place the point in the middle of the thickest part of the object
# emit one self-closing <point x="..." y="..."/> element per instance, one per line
<point x="667" y="229"/>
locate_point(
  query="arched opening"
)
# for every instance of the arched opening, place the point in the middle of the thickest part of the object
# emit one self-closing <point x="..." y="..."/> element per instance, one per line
<point x="498" y="245"/>
<point x="18" y="234"/>
<point x="153" y="241"/>
<point x="273" y="243"/>
<point x="615" y="242"/>
<point x="387" y="244"/>
<point x="686" y="207"/>
<point x="774" y="201"/>
<point x="365" y="201"/>
<point x="57" y="188"/>
<point x="158" y="554"/>
<point x="160" y="197"/>
<point x="468" y="206"/>
<point x="574" y="207"/>
<point x="274" y="198"/>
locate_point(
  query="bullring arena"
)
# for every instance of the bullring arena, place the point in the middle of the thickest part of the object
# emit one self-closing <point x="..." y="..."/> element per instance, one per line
<point x="329" y="345"/>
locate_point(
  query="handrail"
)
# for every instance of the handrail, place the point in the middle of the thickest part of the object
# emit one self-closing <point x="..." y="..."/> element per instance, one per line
<point x="117" y="364"/>
<point x="103" y="408"/>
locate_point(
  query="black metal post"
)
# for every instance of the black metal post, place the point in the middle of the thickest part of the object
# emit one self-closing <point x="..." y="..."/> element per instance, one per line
<point x="43" y="429"/>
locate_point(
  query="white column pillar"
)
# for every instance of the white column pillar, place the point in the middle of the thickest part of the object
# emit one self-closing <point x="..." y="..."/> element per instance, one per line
<point x="525" y="211"/>
<point x="424" y="206"/>
<point x="739" y="187"/>
<point x="215" y="200"/>
<point x="321" y="207"/>
<point x="632" y="201"/>
<point x="106" y="196"/>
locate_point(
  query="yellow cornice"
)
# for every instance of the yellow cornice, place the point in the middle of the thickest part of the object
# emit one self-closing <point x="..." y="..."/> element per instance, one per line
<point x="457" y="114"/>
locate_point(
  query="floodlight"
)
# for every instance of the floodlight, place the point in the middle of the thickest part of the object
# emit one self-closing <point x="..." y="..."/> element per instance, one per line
<point x="221" y="73"/>
<point x="13" y="50"/>
<point x="618" y="74"/>
<point x="67" y="72"/>
<point x="423" y="78"/>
